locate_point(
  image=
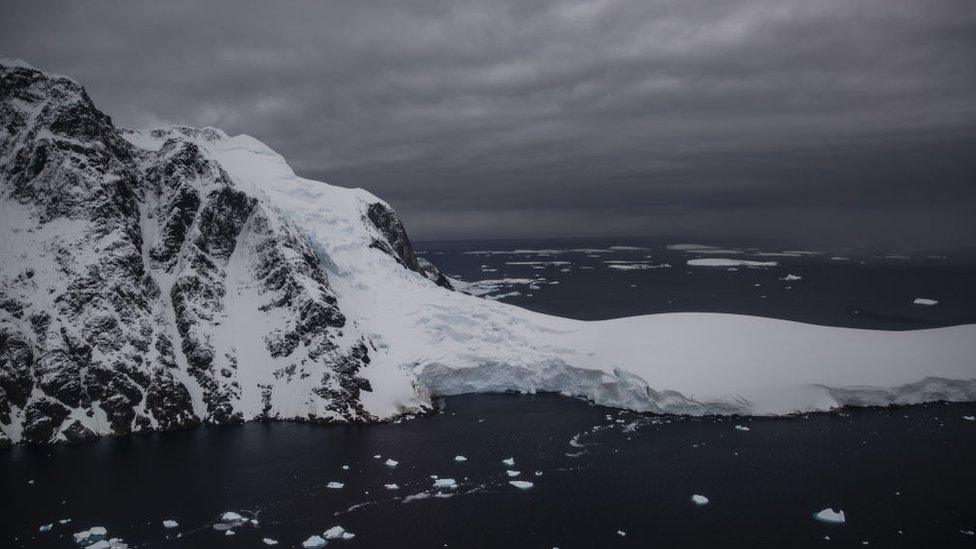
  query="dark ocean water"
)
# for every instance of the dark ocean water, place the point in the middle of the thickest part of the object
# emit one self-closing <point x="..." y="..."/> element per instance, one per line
<point x="905" y="477"/>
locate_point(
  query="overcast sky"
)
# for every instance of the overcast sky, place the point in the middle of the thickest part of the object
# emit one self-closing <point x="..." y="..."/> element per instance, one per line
<point x="817" y="122"/>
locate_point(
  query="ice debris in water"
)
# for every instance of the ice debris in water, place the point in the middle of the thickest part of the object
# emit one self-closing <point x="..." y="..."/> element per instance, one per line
<point x="829" y="515"/>
<point x="969" y="418"/>
<point x="90" y="535"/>
<point x="345" y="467"/>
<point x="741" y="428"/>
<point x="231" y="516"/>
<point x="509" y="461"/>
<point x="445" y="483"/>
<point x="460" y="458"/>
<point x="338" y="532"/>
<point x="699" y="499"/>
<point x="924" y="301"/>
<point x="45" y="527"/>
<point x="621" y="533"/>
<point x="334" y="485"/>
<point x="314" y="542"/>
<point x="170" y="524"/>
<point x="521" y="484"/>
<point x="269" y="541"/>
<point x="392" y="463"/>
<point x="229" y="533"/>
<point x="391" y="486"/>
<point x="513" y="473"/>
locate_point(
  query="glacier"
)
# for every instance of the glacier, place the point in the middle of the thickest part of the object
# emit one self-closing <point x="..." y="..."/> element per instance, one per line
<point x="270" y="296"/>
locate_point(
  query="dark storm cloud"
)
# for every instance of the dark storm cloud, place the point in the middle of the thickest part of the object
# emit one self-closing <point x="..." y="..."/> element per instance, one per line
<point x="829" y="122"/>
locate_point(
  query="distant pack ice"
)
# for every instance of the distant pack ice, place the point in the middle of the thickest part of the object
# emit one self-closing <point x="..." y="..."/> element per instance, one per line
<point x="152" y="280"/>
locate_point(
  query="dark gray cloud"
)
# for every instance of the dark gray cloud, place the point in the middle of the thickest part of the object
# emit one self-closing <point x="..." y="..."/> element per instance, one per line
<point x="823" y="122"/>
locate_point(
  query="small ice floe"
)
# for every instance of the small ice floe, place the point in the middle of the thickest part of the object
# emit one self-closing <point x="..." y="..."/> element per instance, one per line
<point x="391" y="463"/>
<point x="45" y="527"/>
<point x="391" y="486"/>
<point x="170" y="523"/>
<point x="376" y="456"/>
<point x="269" y="541"/>
<point x="574" y="442"/>
<point x="509" y="461"/>
<point x="314" y="542"/>
<point x="924" y="301"/>
<point x="345" y="467"/>
<point x="792" y="277"/>
<point x="416" y="497"/>
<point x="829" y="515"/>
<point x="621" y="533"/>
<point x="64" y="521"/>
<point x="699" y="499"/>
<point x="741" y="428"/>
<point x="513" y="473"/>
<point x="521" y="484"/>
<point x="969" y="418"/>
<point x="335" y="485"/>
<point x="435" y="477"/>
<point x="231" y="516"/>
<point x="445" y="483"/>
<point x="338" y="532"/>
<point x="538" y="473"/>
<point x="91" y="535"/>
<point x="460" y="458"/>
<point x="229" y="533"/>
<point x="968" y="532"/>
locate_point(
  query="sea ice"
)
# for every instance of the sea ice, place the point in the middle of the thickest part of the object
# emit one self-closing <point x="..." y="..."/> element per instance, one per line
<point x="699" y="499"/>
<point x="392" y="463"/>
<point x="829" y="515"/>
<point x="229" y="533"/>
<point x="313" y="542"/>
<point x="45" y="527"/>
<point x="460" y="458"/>
<point x="791" y="277"/>
<point x="269" y="541"/>
<point x="621" y="533"/>
<point x="170" y="524"/>
<point x="969" y="418"/>
<point x="924" y="301"/>
<point x="513" y="473"/>
<point x="231" y="516"/>
<point x="445" y="483"/>
<point x="334" y="485"/>
<point x="521" y="484"/>
<point x="509" y="461"/>
<point x="391" y="486"/>
<point x="338" y="532"/>
<point x="741" y="428"/>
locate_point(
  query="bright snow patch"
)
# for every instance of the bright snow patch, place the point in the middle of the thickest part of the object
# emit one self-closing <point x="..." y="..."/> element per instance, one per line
<point x="521" y="484"/>
<point x="334" y="485"/>
<point x="170" y="524"/>
<point x="445" y="483"/>
<point x="698" y="499"/>
<point x="829" y="515"/>
<point x="726" y="262"/>
<point x="509" y="461"/>
<point x="924" y="301"/>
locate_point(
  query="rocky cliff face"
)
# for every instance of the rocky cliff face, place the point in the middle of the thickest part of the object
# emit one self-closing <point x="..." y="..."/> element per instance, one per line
<point x="126" y="273"/>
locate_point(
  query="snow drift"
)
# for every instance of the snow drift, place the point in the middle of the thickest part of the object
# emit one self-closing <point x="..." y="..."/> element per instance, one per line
<point x="184" y="275"/>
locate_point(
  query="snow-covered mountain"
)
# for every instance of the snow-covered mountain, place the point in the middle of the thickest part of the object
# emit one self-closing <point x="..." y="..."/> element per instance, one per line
<point x="159" y="279"/>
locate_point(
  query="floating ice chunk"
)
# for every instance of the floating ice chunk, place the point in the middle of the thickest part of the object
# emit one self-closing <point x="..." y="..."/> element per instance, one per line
<point x="314" y="542"/>
<point x="345" y="467"/>
<point x="335" y="485"/>
<point x="392" y="463"/>
<point x="521" y="484"/>
<point x="509" y="461"/>
<point x="170" y="523"/>
<point x="538" y="473"/>
<point x="969" y="418"/>
<point x="699" y="499"/>
<point x="621" y="533"/>
<point x="829" y="515"/>
<point x="741" y="428"/>
<point x="91" y="535"/>
<point x="229" y="533"/>
<point x="415" y="497"/>
<point x="254" y="522"/>
<point x="460" y="458"/>
<point x="924" y="301"/>
<point x="445" y="483"/>
<point x="269" y="541"/>
<point x="64" y="521"/>
<point x="513" y="473"/>
<point x="391" y="486"/>
<point x="101" y="544"/>
<point x="338" y="532"/>
<point x="791" y="277"/>
<point x="726" y="262"/>
<point x="231" y="516"/>
<point x="45" y="527"/>
<point x="377" y="456"/>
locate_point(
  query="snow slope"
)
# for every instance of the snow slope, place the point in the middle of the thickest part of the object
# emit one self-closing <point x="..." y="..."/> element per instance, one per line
<point x="430" y="341"/>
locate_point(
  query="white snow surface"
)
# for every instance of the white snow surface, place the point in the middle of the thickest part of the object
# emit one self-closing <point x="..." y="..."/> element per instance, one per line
<point x="427" y="341"/>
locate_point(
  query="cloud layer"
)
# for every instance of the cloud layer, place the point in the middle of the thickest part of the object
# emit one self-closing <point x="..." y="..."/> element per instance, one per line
<point x="828" y="122"/>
